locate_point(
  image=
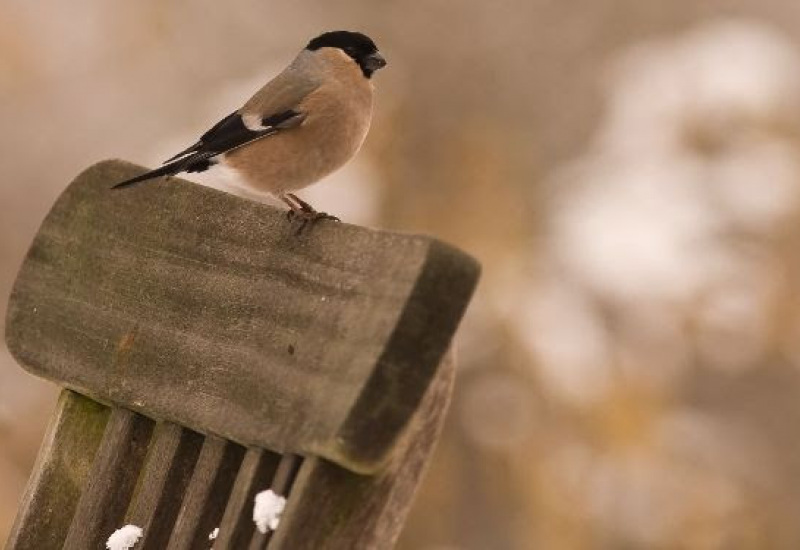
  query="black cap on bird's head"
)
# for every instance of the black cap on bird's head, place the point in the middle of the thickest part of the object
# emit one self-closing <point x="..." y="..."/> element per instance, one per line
<point x="358" y="46"/>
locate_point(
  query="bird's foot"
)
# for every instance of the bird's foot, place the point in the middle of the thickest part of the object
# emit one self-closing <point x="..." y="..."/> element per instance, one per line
<point x="305" y="219"/>
<point x="304" y="214"/>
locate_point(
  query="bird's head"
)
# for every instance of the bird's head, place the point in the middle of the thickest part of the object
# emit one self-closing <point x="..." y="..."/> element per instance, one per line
<point x="358" y="46"/>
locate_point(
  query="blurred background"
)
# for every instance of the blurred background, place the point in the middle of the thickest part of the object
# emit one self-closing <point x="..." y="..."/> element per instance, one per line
<point x="627" y="171"/>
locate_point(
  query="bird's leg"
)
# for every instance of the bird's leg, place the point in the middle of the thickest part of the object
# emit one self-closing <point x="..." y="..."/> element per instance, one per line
<point x="292" y="207"/>
<point x="308" y="209"/>
<point x="301" y="210"/>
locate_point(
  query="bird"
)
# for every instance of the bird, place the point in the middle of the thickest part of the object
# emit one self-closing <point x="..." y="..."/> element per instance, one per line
<point x="304" y="124"/>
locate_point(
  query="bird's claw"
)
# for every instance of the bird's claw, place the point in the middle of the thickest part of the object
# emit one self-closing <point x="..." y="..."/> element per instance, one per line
<point x="306" y="218"/>
<point x="325" y="216"/>
<point x="303" y="212"/>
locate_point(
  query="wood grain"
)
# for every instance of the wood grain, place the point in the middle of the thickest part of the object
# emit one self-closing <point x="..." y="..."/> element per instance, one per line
<point x="115" y="470"/>
<point x="281" y="483"/>
<point x="207" y="494"/>
<point x="206" y="310"/>
<point x="335" y="509"/>
<point x="236" y="528"/>
<point x="61" y="471"/>
<point x="159" y="492"/>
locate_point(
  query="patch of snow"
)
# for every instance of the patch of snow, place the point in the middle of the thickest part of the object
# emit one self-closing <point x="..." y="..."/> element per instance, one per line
<point x="124" y="538"/>
<point x="267" y="510"/>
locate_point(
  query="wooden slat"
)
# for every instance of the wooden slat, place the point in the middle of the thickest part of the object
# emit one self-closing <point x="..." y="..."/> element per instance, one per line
<point x="60" y="473"/>
<point x="116" y="467"/>
<point x="159" y="492"/>
<point x="259" y="540"/>
<point x="285" y="474"/>
<point x="335" y="509"/>
<point x="207" y="494"/>
<point x="236" y="529"/>
<point x="180" y="301"/>
<point x="281" y="484"/>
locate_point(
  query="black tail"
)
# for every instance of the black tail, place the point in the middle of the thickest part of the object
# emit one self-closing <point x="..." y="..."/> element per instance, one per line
<point x="192" y="163"/>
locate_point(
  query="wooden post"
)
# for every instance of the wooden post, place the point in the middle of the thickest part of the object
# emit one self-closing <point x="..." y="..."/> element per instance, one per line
<point x="217" y="339"/>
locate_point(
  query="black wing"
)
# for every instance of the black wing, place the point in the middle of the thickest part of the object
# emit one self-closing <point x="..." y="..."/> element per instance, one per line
<point x="228" y="134"/>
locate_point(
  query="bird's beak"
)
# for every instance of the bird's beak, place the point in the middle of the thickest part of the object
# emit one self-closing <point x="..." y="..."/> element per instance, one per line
<point x="374" y="61"/>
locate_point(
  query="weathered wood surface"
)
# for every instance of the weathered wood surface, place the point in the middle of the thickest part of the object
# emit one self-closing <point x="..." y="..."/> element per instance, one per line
<point x="164" y="479"/>
<point x="281" y="483"/>
<point x="207" y="495"/>
<point x="237" y="527"/>
<point x="114" y="472"/>
<point x="60" y="474"/>
<point x="159" y="492"/>
<point x="335" y="509"/>
<point x="203" y="309"/>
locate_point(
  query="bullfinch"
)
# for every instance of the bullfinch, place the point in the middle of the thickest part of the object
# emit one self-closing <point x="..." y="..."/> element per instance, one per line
<point x="302" y="125"/>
